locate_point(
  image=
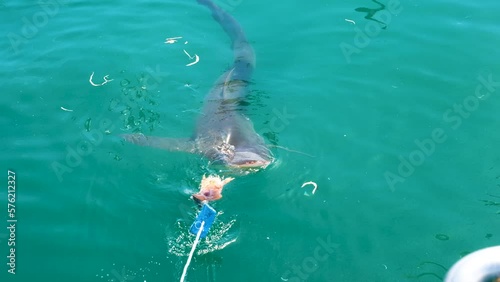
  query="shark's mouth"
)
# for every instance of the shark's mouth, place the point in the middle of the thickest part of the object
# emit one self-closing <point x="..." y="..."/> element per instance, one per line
<point x="251" y="164"/>
<point x="248" y="159"/>
<point x="242" y="164"/>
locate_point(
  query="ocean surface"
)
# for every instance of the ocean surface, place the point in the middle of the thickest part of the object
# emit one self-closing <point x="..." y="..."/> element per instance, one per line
<point x="391" y="110"/>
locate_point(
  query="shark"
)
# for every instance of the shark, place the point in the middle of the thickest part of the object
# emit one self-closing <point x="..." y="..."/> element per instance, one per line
<point x="223" y="134"/>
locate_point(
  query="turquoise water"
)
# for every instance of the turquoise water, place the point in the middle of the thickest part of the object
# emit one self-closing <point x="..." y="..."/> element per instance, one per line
<point x="404" y="154"/>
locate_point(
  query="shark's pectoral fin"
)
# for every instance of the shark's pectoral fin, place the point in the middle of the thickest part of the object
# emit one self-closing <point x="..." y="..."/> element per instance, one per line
<point x="169" y="144"/>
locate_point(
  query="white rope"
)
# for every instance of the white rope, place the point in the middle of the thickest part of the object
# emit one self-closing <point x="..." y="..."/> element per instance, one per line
<point x="192" y="251"/>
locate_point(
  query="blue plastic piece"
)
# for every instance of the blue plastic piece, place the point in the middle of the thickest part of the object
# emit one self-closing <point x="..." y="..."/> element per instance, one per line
<point x="206" y="214"/>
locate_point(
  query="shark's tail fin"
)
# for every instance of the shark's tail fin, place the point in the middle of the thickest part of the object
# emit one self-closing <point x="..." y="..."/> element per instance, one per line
<point x="244" y="57"/>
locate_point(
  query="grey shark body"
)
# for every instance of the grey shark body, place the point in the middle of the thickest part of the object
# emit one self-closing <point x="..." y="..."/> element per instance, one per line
<point x="223" y="134"/>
